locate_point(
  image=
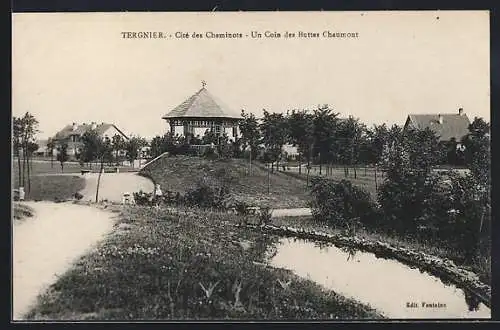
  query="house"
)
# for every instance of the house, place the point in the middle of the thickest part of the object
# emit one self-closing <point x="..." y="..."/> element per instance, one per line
<point x="201" y="112"/>
<point x="42" y="149"/>
<point x="446" y="126"/>
<point x="72" y="134"/>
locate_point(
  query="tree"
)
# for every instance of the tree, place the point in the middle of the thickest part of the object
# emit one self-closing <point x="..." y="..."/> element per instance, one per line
<point x="301" y="134"/>
<point x="350" y="137"/>
<point x="62" y="154"/>
<point x="423" y="149"/>
<point x="377" y="140"/>
<point x="90" y="140"/>
<point x="250" y="135"/>
<point x="133" y="147"/>
<point x="17" y="143"/>
<point x="29" y="128"/>
<point x="31" y="148"/>
<point x="166" y="143"/>
<point x="50" y="149"/>
<point x="274" y="131"/>
<point x="103" y="150"/>
<point x="478" y="159"/>
<point x="118" y="144"/>
<point x="477" y="150"/>
<point x="96" y="148"/>
<point x="410" y="187"/>
<point x="325" y="130"/>
<point x="156" y="146"/>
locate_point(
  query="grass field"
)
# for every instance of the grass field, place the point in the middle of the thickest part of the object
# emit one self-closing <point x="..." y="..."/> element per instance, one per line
<point x="46" y="186"/>
<point x="193" y="265"/>
<point x="365" y="176"/>
<point x="182" y="173"/>
<point x="50" y="187"/>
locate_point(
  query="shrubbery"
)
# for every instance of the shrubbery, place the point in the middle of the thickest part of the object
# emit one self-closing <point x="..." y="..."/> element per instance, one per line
<point x="340" y="203"/>
<point x="207" y="194"/>
<point x="449" y="209"/>
<point x="410" y="202"/>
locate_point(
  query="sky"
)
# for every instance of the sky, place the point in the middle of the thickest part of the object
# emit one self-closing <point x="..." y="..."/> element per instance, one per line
<point x="76" y="67"/>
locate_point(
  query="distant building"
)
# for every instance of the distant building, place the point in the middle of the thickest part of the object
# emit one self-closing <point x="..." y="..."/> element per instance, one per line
<point x="72" y="134"/>
<point x="446" y="126"/>
<point x="200" y="113"/>
<point x="42" y="148"/>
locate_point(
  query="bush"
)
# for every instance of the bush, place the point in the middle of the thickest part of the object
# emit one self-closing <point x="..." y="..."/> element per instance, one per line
<point x="242" y="208"/>
<point x="409" y="202"/>
<point x="207" y="195"/>
<point x="143" y="198"/>
<point x="444" y="208"/>
<point x="210" y="153"/>
<point x="338" y="203"/>
<point x="468" y="217"/>
<point x="265" y="215"/>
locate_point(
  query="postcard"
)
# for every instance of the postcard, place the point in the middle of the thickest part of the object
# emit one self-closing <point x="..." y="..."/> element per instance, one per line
<point x="278" y="166"/>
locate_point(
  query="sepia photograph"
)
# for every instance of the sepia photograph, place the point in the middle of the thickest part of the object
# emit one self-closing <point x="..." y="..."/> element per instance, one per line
<point x="251" y="166"/>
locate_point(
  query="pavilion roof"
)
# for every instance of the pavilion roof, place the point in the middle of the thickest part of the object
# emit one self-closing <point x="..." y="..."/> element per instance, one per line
<point x="202" y="104"/>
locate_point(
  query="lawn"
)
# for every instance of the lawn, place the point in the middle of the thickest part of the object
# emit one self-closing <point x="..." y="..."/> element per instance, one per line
<point x="365" y="176"/>
<point x="178" y="174"/>
<point x="189" y="265"/>
<point x="39" y="167"/>
<point x="47" y="186"/>
<point x="50" y="187"/>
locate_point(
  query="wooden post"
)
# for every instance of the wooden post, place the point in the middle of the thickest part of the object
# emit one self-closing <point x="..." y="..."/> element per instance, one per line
<point x="268" y="181"/>
<point x="101" y="170"/>
<point x="300" y="163"/>
<point x="250" y="171"/>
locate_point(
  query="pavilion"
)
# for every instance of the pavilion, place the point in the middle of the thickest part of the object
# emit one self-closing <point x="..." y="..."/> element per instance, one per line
<point x="202" y="112"/>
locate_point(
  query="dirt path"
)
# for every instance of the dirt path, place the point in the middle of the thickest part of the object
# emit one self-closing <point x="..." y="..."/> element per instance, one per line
<point x="45" y="246"/>
<point x="113" y="185"/>
<point x="298" y="212"/>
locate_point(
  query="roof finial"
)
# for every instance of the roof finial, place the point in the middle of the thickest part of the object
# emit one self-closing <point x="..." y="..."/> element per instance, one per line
<point x="203" y="83"/>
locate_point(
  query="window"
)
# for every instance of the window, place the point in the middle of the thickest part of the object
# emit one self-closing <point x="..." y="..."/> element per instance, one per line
<point x="235" y="131"/>
<point x="217" y="129"/>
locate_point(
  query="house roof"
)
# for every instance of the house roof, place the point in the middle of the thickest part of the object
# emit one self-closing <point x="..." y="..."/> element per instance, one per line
<point x="453" y="125"/>
<point x="202" y="104"/>
<point x="67" y="131"/>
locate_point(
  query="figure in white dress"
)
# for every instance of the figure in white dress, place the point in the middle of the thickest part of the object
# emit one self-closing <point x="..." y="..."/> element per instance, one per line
<point x="158" y="194"/>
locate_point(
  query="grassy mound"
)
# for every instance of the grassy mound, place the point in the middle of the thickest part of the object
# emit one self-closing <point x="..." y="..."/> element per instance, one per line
<point x="181" y="173"/>
<point x="190" y="265"/>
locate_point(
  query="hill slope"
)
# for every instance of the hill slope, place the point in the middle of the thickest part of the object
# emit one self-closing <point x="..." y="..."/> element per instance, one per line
<point x="182" y="173"/>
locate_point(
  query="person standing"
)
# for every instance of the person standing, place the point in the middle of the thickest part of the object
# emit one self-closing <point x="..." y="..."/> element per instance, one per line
<point x="158" y="195"/>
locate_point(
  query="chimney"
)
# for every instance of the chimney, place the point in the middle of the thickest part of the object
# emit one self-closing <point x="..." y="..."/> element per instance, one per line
<point x="461" y="111"/>
<point x="75" y="126"/>
<point x="94" y="125"/>
<point x="440" y="119"/>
